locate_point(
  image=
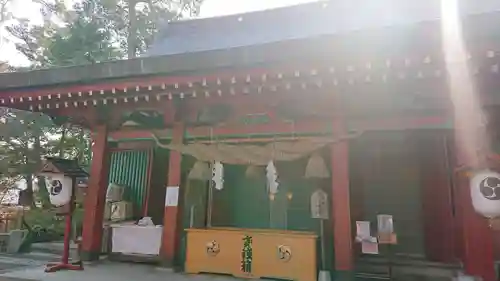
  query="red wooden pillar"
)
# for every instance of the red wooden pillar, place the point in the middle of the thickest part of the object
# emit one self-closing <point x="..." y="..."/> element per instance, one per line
<point x="95" y="199"/>
<point x="477" y="237"/>
<point x="172" y="220"/>
<point x="341" y="211"/>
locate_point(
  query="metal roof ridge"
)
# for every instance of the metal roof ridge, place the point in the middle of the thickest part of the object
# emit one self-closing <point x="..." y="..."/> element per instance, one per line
<point x="250" y="13"/>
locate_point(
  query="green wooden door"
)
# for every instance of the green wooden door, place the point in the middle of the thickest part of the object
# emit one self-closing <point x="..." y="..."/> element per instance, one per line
<point x="250" y="202"/>
<point x="130" y="169"/>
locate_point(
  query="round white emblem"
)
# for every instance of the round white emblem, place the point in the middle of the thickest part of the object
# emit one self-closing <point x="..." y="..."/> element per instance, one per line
<point x="55" y="187"/>
<point x="485" y="193"/>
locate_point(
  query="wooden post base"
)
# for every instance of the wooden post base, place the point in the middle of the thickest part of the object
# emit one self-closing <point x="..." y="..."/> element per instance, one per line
<point x="51" y="267"/>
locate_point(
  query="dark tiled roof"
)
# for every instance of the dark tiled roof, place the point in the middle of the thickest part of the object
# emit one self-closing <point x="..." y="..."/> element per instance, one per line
<point x="278" y="36"/>
<point x="67" y="166"/>
<point x="302" y="21"/>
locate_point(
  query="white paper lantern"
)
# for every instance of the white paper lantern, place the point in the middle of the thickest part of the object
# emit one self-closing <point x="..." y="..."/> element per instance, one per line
<point x="59" y="188"/>
<point x="485" y="193"/>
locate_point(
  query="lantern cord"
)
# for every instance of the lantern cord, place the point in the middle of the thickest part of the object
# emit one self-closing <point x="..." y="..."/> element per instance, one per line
<point x="322" y="242"/>
<point x="448" y="169"/>
<point x="270" y="193"/>
<point x="210" y="188"/>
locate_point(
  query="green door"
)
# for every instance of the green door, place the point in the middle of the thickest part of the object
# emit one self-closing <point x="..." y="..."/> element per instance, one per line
<point x="130" y="169"/>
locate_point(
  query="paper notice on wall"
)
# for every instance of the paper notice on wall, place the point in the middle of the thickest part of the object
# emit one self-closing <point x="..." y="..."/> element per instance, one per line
<point x="319" y="205"/>
<point x="362" y="229"/>
<point x="172" y="196"/>
<point x="370" y="248"/>
<point x="385" y="224"/>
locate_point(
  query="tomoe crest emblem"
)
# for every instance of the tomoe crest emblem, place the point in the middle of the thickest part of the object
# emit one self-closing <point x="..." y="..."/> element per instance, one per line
<point x="485" y="193"/>
<point x="490" y="188"/>
<point x="55" y="187"/>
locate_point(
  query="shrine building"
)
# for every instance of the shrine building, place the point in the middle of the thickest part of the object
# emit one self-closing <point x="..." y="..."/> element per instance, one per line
<point x="263" y="143"/>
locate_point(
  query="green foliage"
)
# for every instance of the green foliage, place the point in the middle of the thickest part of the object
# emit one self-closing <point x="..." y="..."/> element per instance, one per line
<point x="91" y="31"/>
<point x="22" y="137"/>
<point x="24" y="141"/>
<point x="46" y="226"/>
<point x="28" y="137"/>
<point x="94" y="31"/>
<point x="66" y="37"/>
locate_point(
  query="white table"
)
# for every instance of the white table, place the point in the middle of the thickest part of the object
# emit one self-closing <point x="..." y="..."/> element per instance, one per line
<point x="131" y="239"/>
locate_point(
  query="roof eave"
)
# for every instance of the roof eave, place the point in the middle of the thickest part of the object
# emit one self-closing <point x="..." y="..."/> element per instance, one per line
<point x="318" y="48"/>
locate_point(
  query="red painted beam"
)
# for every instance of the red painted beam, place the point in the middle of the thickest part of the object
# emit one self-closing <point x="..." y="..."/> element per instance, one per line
<point x="138" y="134"/>
<point x="274" y="128"/>
<point x="134" y="145"/>
<point x="131" y="83"/>
<point x="400" y="123"/>
<point x="300" y="127"/>
<point x="306" y="126"/>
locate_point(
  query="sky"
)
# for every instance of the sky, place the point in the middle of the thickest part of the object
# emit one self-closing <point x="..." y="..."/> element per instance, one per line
<point x="210" y="8"/>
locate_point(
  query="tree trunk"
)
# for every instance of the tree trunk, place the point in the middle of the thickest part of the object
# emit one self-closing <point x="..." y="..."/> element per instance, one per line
<point x="26" y="196"/>
<point x="89" y="151"/>
<point x="43" y="194"/>
<point x="80" y="154"/>
<point x="132" y="29"/>
<point x="62" y="142"/>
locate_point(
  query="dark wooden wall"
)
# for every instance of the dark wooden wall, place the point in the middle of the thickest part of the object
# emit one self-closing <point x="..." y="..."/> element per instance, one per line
<point x="405" y="174"/>
<point x="438" y="210"/>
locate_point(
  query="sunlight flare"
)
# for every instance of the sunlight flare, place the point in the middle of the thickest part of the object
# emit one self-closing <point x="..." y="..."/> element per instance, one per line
<point x="470" y="121"/>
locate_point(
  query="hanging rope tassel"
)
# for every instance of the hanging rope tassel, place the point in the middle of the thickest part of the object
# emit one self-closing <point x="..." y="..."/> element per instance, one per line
<point x="200" y="171"/>
<point x="254" y="172"/>
<point x="316" y="167"/>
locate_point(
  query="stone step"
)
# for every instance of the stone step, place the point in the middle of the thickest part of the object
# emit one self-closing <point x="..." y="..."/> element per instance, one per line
<point x="373" y="268"/>
<point x="51" y="247"/>
<point x="405" y="260"/>
<point x="403" y="278"/>
<point x="40" y="256"/>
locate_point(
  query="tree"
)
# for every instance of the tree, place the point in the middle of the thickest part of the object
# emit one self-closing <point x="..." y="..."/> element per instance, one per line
<point x="91" y="31"/>
<point x="23" y="141"/>
<point x="26" y="138"/>
<point x="5" y="16"/>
